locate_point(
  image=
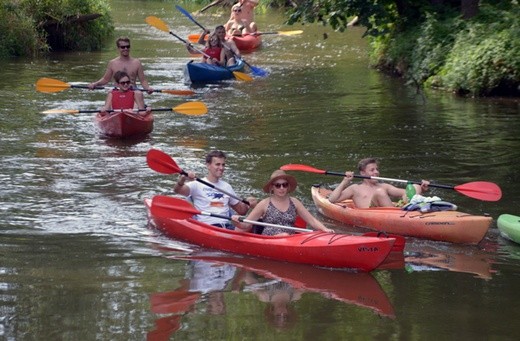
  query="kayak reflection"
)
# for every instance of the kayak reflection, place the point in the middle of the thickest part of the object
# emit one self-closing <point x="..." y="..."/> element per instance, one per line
<point x="428" y="257"/>
<point x="276" y="283"/>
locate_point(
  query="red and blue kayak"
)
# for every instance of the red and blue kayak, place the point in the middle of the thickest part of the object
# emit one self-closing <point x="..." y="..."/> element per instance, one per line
<point x="122" y="124"/>
<point x="207" y="73"/>
<point x="331" y="250"/>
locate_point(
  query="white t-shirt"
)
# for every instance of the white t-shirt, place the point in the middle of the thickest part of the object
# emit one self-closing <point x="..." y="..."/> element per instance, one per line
<point x="207" y="277"/>
<point x="210" y="200"/>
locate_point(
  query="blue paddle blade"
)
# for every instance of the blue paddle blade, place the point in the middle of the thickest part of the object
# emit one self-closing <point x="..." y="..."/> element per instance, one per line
<point x="259" y="72"/>
<point x="183" y="11"/>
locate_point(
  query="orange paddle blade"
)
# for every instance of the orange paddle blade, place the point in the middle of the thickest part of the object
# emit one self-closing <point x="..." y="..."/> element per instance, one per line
<point x="191" y="108"/>
<point x="50" y="85"/>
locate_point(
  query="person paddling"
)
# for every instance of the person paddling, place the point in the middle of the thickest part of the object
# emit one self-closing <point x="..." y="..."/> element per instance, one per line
<point x="280" y="208"/>
<point x="132" y="66"/>
<point x="124" y="97"/>
<point x="370" y="192"/>
<point x="210" y="199"/>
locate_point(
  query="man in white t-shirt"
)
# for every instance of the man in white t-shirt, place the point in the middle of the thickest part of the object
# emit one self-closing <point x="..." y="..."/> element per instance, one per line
<point x="209" y="199"/>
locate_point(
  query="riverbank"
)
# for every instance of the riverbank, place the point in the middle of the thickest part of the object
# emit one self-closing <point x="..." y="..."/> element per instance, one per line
<point x="475" y="57"/>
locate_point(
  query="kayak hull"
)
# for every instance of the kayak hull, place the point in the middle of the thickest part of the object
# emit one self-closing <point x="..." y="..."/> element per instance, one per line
<point x="509" y="227"/>
<point x="247" y="43"/>
<point x="447" y="226"/>
<point x="314" y="248"/>
<point x="124" y="124"/>
<point x="207" y="73"/>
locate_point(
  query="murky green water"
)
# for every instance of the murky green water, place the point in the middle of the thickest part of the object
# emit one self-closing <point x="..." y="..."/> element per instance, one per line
<point x="79" y="262"/>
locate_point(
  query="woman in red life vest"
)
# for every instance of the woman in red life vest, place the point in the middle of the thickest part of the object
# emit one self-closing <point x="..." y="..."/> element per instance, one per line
<point x="215" y="50"/>
<point x="123" y="97"/>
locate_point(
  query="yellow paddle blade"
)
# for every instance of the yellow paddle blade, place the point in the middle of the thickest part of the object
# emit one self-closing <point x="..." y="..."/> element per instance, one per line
<point x="179" y="92"/>
<point x="191" y="108"/>
<point x="60" y="111"/>
<point x="290" y="33"/>
<point x="51" y="85"/>
<point x="242" y="76"/>
<point x="157" y="23"/>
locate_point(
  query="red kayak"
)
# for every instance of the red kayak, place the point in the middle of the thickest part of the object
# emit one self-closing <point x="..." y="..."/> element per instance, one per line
<point x="247" y="43"/>
<point x="122" y="124"/>
<point x="315" y="248"/>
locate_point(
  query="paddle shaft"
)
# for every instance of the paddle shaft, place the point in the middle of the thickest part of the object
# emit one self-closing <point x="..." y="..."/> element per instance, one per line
<point x="254" y="222"/>
<point x="188" y="15"/>
<point x="389" y="179"/>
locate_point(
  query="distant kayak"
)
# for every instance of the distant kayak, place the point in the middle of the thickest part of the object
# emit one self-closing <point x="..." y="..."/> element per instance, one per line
<point x="247" y="43"/>
<point x="124" y="124"/>
<point x="509" y="227"/>
<point x="207" y="73"/>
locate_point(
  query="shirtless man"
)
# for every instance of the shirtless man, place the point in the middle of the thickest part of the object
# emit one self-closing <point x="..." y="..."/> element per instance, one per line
<point x="370" y="192"/>
<point x="132" y="66"/>
<point x="242" y="19"/>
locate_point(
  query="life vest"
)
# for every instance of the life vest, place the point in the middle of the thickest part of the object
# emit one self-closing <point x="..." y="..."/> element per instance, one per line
<point x="213" y="52"/>
<point x="122" y="100"/>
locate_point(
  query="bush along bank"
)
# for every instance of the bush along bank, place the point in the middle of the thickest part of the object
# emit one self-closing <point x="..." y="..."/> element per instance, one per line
<point x="477" y="57"/>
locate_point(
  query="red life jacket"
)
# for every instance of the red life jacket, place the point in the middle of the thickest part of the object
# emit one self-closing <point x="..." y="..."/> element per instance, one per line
<point x="122" y="100"/>
<point x="213" y="52"/>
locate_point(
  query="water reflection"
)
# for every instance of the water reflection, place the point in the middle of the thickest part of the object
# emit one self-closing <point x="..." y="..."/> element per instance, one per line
<point x="277" y="284"/>
<point x="428" y="256"/>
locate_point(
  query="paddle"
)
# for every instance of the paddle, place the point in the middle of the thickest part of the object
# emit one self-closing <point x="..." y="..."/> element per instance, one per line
<point x="282" y="33"/>
<point x="161" y="25"/>
<point x="175" y="208"/>
<point x="195" y="37"/>
<point x="161" y="162"/>
<point x="50" y="85"/>
<point x="189" y="108"/>
<point x="481" y="190"/>
<point x="255" y="70"/>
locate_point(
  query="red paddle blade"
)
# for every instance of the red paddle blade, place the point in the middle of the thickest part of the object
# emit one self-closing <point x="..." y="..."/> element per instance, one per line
<point x="302" y="168"/>
<point x="172" y="208"/>
<point x="482" y="190"/>
<point x="161" y="162"/>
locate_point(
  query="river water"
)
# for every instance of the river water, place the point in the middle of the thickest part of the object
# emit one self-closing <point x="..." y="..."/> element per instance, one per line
<point x="78" y="260"/>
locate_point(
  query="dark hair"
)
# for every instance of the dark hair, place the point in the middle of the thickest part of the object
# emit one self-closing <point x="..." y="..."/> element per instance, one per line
<point x="121" y="74"/>
<point x="220" y="26"/>
<point x="215" y="153"/>
<point x="362" y="164"/>
<point x="120" y="39"/>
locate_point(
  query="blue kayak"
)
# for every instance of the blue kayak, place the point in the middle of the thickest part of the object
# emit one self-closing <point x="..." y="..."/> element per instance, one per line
<point x="205" y="73"/>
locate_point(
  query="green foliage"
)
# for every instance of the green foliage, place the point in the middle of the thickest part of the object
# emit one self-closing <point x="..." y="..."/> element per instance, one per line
<point x="19" y="36"/>
<point x="485" y="57"/>
<point x="32" y="26"/>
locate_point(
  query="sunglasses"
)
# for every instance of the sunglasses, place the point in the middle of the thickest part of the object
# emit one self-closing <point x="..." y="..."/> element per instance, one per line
<point x="237" y="10"/>
<point x="125" y="83"/>
<point x="280" y="185"/>
<point x="124" y="47"/>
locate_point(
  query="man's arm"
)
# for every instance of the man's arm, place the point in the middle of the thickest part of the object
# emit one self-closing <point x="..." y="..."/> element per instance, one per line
<point x="105" y="79"/>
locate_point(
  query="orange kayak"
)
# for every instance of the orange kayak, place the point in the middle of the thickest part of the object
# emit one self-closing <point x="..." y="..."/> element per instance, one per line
<point x="448" y="226"/>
